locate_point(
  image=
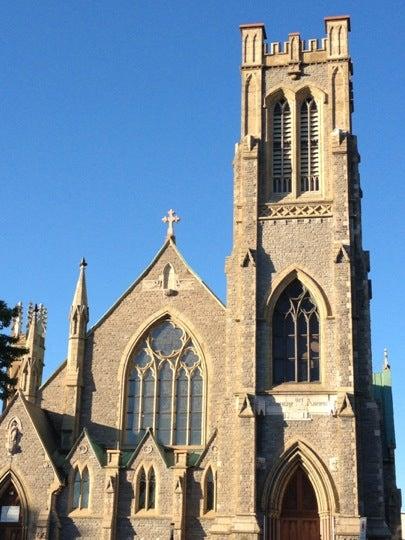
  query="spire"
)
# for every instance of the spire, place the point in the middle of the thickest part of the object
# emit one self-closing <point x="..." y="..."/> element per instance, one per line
<point x="80" y="297"/>
<point x="386" y="362"/>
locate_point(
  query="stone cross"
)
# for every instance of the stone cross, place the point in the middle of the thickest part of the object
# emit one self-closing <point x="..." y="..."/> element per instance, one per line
<point x="170" y="219"/>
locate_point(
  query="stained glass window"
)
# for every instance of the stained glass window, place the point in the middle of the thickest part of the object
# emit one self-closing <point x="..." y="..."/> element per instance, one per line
<point x="295" y="336"/>
<point x="165" y="387"/>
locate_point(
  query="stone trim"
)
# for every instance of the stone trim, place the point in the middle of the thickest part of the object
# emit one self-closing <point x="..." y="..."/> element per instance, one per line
<point x="295" y="210"/>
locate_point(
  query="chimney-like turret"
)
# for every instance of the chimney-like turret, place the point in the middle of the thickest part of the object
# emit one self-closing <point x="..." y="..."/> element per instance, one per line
<point x="78" y="319"/>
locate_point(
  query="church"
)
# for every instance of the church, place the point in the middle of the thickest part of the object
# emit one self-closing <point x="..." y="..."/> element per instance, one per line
<point x="178" y="417"/>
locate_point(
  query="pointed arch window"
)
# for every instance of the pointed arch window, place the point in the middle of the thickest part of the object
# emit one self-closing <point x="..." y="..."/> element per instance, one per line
<point x="209" y="491"/>
<point x="81" y="489"/>
<point x="281" y="163"/>
<point x="296" y="341"/>
<point x="146" y="490"/>
<point x="309" y="146"/>
<point x="11" y="515"/>
<point x="142" y="490"/>
<point x="165" y="387"/>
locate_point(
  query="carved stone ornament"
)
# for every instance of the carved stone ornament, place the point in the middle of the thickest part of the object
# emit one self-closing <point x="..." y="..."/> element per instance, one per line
<point x="13" y="436"/>
<point x="83" y="449"/>
<point x="148" y="449"/>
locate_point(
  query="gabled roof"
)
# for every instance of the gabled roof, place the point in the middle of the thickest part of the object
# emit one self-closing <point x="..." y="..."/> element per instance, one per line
<point x="166" y="454"/>
<point x="168" y="244"/>
<point x="98" y="451"/>
<point x="42" y="428"/>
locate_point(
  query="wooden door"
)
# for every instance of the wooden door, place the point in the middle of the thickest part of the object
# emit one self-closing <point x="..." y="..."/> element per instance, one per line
<point x="299" y="516"/>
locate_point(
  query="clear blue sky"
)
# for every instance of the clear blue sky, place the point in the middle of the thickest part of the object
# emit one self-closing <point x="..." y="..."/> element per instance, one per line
<point x="113" y="112"/>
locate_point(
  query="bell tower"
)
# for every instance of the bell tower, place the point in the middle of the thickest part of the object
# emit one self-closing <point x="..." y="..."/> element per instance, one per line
<point x="298" y="292"/>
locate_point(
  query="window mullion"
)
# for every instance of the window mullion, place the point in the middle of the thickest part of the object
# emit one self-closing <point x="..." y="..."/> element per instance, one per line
<point x="155" y="401"/>
<point x="295" y="148"/>
<point x="173" y="406"/>
<point x="141" y="390"/>
<point x="307" y="318"/>
<point x="296" y="344"/>
<point x="147" y="490"/>
<point x="188" y="408"/>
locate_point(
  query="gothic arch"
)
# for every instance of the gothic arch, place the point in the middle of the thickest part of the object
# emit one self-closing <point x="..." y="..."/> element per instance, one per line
<point x="147" y="470"/>
<point x="210" y="471"/>
<point x="285" y="277"/>
<point x="299" y="454"/>
<point x="199" y="343"/>
<point x="11" y="476"/>
<point x="278" y="285"/>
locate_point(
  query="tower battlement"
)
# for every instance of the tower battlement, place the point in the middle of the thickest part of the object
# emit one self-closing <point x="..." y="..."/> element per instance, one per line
<point x="255" y="49"/>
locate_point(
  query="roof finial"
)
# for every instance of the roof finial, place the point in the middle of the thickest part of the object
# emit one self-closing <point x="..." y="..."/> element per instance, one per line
<point x="170" y="219"/>
<point x="80" y="297"/>
<point x="386" y="362"/>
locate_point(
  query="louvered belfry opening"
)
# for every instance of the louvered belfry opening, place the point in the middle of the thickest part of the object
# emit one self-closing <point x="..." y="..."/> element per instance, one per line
<point x="282" y="147"/>
<point x="309" y="148"/>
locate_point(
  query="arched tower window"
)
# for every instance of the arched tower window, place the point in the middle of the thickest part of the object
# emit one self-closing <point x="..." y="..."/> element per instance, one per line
<point x="295" y="336"/>
<point x="165" y="387"/>
<point x="309" y="146"/>
<point x="281" y="162"/>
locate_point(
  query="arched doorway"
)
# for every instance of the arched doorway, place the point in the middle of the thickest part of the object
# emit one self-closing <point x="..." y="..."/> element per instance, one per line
<point x="299" y="517"/>
<point x="11" y="512"/>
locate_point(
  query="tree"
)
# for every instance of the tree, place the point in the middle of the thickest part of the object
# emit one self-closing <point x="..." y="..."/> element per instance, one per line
<point x="9" y="351"/>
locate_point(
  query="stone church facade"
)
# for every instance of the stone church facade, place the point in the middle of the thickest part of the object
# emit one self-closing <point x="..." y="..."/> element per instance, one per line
<point x="178" y="417"/>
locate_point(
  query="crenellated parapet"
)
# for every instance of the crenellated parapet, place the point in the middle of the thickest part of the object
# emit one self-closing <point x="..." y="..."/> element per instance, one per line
<point x="257" y="52"/>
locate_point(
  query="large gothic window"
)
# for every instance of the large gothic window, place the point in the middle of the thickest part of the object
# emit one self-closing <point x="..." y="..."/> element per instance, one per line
<point x="281" y="147"/>
<point x="165" y="387"/>
<point x="295" y="336"/>
<point x="309" y="146"/>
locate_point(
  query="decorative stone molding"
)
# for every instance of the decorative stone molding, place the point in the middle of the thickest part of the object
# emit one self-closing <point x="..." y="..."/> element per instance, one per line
<point x="297" y="210"/>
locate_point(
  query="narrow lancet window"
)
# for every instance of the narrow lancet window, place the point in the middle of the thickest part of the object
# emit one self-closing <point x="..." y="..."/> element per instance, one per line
<point x="142" y="490"/>
<point x="309" y="146"/>
<point x="165" y="388"/>
<point x="281" y="159"/>
<point x="295" y="336"/>
<point x="151" y="490"/>
<point x="209" y="491"/>
<point x="76" y="490"/>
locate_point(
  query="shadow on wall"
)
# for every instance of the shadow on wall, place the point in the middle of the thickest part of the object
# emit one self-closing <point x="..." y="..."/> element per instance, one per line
<point x="270" y="441"/>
